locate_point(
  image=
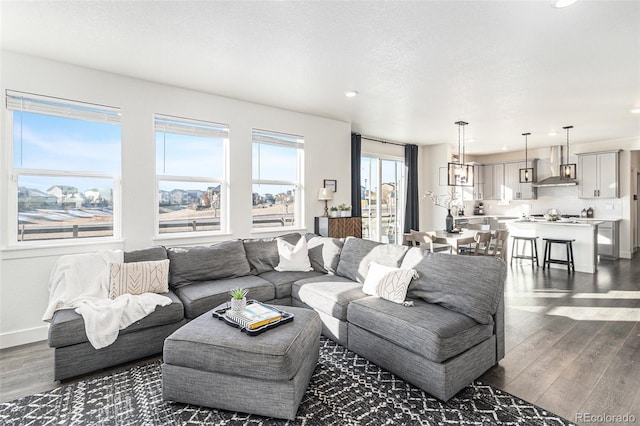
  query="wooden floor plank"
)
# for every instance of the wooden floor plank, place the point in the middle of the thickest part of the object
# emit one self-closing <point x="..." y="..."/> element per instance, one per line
<point x="616" y="391"/>
<point x="585" y="371"/>
<point x="539" y="375"/>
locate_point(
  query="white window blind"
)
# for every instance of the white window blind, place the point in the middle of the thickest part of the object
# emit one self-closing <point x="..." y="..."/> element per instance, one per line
<point x="28" y="102"/>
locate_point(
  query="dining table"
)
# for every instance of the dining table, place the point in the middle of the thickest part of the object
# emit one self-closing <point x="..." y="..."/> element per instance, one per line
<point x="454" y="239"/>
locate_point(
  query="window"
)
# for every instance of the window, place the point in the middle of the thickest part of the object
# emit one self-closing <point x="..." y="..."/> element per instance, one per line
<point x="382" y="198"/>
<point x="277" y="187"/>
<point x="65" y="169"/>
<point x="191" y="175"/>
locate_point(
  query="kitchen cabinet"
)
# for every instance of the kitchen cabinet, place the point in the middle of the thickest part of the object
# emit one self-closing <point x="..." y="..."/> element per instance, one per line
<point x="494" y="181"/>
<point x="608" y="247"/>
<point x="513" y="188"/>
<point x="598" y="174"/>
<point x="484" y="185"/>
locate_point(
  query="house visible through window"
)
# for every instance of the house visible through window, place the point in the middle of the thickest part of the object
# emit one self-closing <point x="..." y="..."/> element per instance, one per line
<point x="65" y="169"/>
<point x="277" y="185"/>
<point x="382" y="197"/>
<point x="191" y="175"/>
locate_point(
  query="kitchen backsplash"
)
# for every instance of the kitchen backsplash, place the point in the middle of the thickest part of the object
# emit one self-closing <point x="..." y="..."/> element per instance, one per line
<point x="564" y="198"/>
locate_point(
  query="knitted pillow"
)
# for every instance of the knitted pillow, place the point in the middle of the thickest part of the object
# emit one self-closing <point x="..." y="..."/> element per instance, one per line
<point x="388" y="282"/>
<point x="138" y="278"/>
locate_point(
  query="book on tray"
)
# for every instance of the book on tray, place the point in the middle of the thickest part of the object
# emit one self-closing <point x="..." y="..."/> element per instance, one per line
<point x="254" y="316"/>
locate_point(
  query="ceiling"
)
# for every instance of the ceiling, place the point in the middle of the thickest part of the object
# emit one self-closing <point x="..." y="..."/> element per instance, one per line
<point x="504" y="67"/>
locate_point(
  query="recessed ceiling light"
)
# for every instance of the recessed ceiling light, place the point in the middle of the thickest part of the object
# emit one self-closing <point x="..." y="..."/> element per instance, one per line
<point x="504" y="148"/>
<point x="554" y="133"/>
<point x="562" y="3"/>
<point x="350" y="93"/>
<point x="635" y="111"/>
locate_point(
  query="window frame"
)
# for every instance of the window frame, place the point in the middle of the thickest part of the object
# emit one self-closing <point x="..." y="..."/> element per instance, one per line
<point x="63" y="108"/>
<point x="378" y="206"/>
<point x="298" y="145"/>
<point x="222" y="181"/>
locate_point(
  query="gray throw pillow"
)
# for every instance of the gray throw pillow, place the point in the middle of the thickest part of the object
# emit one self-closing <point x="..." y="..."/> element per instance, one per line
<point x="470" y="285"/>
<point x="357" y="254"/>
<point x="324" y="253"/>
<point x="150" y="254"/>
<point x="224" y="260"/>
<point x="262" y="253"/>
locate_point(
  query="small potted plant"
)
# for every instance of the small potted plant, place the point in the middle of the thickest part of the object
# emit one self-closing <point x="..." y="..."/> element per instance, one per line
<point x="238" y="299"/>
<point x="333" y="211"/>
<point x="345" y="210"/>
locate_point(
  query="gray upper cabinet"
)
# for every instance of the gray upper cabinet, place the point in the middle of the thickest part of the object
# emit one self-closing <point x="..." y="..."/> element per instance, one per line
<point x="598" y="174"/>
<point x="513" y="189"/>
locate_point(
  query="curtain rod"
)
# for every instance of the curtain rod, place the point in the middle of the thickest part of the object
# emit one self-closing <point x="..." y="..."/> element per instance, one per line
<point x="381" y="141"/>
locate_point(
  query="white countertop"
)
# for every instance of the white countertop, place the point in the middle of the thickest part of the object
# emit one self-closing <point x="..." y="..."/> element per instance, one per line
<point x="511" y="216"/>
<point x="561" y="222"/>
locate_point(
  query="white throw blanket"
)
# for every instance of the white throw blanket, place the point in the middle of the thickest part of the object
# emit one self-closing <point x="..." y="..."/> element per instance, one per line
<point x="81" y="281"/>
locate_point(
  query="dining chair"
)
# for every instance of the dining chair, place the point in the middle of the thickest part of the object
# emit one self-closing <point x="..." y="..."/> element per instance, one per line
<point x="482" y="242"/>
<point x="469" y="248"/>
<point x="500" y="246"/>
<point x="425" y="241"/>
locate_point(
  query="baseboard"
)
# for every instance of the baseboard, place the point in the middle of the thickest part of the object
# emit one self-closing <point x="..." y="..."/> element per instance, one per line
<point x="22" y="337"/>
<point x="626" y="254"/>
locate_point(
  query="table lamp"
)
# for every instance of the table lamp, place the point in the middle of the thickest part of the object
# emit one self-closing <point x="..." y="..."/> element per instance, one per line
<point x="325" y="194"/>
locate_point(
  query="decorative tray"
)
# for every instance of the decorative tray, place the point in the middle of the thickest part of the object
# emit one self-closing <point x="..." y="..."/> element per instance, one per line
<point x="219" y="313"/>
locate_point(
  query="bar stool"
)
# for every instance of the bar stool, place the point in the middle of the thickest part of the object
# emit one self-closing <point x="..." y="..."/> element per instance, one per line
<point x="547" y="253"/>
<point x="533" y="241"/>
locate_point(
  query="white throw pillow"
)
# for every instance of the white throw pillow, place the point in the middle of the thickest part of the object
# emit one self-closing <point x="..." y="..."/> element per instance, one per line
<point x="138" y="278"/>
<point x="388" y="282"/>
<point x="293" y="257"/>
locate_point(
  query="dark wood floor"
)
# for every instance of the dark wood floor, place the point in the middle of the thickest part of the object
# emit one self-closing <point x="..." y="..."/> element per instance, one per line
<point x="572" y="343"/>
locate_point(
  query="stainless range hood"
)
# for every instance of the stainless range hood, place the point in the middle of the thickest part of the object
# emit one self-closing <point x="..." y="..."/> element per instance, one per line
<point x="555" y="179"/>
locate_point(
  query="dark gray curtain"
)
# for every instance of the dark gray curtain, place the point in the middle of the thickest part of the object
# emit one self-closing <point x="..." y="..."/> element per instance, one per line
<point x="356" y="152"/>
<point x="412" y="213"/>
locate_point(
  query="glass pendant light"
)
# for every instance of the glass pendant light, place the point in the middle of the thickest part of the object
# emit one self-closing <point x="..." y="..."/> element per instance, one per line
<point x="568" y="170"/>
<point x="527" y="174"/>
<point x="459" y="173"/>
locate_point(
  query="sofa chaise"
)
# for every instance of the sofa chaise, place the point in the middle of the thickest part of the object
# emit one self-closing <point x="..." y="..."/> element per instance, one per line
<point x="448" y="334"/>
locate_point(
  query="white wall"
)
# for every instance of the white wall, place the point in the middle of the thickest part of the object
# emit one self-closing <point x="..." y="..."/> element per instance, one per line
<point x="432" y="158"/>
<point x="24" y="273"/>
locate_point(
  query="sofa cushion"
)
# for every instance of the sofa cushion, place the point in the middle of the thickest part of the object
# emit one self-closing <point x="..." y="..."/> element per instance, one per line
<point x="329" y="294"/>
<point x="146" y="255"/>
<point x="470" y="285"/>
<point x="282" y="281"/>
<point x="138" y="278"/>
<point x="426" y="329"/>
<point x="67" y="327"/>
<point x="358" y="253"/>
<point x="324" y="252"/>
<point x="293" y="257"/>
<point x="262" y="253"/>
<point x="388" y="282"/>
<point x="223" y="260"/>
<point x="202" y="296"/>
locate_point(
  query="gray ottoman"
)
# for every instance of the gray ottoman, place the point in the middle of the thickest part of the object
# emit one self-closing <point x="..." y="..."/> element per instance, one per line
<point x="207" y="362"/>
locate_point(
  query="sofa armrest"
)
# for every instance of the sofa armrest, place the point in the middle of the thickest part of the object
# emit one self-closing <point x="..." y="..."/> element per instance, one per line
<point x="498" y="329"/>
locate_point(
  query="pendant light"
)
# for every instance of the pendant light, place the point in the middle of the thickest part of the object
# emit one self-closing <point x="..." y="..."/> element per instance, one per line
<point x="567" y="170"/>
<point x="459" y="173"/>
<point x="527" y="174"/>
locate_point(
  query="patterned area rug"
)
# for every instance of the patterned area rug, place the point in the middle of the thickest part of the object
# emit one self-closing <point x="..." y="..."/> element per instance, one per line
<point x="345" y="389"/>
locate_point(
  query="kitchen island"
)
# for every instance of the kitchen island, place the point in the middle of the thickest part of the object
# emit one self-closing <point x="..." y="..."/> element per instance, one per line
<point x="585" y="234"/>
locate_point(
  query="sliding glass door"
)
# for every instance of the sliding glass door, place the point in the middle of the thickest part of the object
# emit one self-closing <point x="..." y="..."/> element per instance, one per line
<point x="382" y="197"/>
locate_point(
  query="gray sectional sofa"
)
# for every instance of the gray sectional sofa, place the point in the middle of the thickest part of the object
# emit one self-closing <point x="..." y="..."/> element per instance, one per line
<point x="452" y="333"/>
